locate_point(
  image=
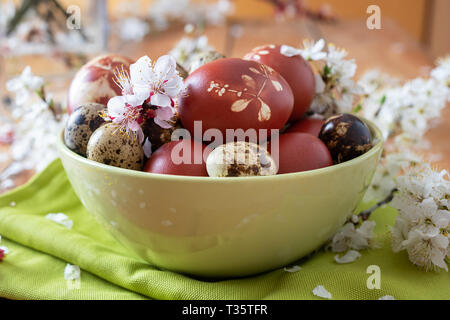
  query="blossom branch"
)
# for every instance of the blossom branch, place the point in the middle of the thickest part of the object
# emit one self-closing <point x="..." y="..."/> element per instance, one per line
<point x="364" y="215"/>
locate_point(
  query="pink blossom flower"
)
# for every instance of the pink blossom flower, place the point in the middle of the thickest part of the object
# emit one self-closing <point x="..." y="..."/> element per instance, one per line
<point x="125" y="112"/>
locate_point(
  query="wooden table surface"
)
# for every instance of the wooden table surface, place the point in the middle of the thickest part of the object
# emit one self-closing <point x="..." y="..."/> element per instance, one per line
<point x="390" y="50"/>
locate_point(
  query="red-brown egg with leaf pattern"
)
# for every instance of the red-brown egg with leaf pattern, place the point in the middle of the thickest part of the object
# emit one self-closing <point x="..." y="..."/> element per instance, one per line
<point x="94" y="82"/>
<point x="295" y="70"/>
<point x="235" y="94"/>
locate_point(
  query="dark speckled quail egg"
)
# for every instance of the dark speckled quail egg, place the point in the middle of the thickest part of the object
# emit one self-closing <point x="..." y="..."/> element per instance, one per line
<point x="240" y="159"/>
<point x="158" y="135"/>
<point x="109" y="146"/>
<point x="204" y="57"/>
<point x="346" y="136"/>
<point x="80" y="126"/>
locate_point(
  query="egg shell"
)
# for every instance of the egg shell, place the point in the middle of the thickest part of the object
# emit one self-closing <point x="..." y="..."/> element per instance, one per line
<point x="240" y="159"/>
<point x="203" y="58"/>
<point x="307" y="125"/>
<point x="295" y="70"/>
<point x="166" y="160"/>
<point x="94" y="82"/>
<point x="346" y="136"/>
<point x="109" y="146"/>
<point x="158" y="135"/>
<point x="80" y="126"/>
<point x="301" y="152"/>
<point x="233" y="93"/>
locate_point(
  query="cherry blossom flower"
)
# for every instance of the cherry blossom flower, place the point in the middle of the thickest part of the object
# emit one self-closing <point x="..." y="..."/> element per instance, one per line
<point x="355" y="238"/>
<point x="312" y="51"/>
<point x="442" y="72"/>
<point x="422" y="226"/>
<point x="405" y="110"/>
<point x="125" y="113"/>
<point x="158" y="81"/>
<point x="335" y="87"/>
<point x="123" y="81"/>
<point x="158" y="84"/>
<point x="23" y="84"/>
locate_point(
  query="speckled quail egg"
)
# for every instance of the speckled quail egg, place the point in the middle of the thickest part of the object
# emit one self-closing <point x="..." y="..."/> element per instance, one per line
<point x="346" y="136"/>
<point x="109" y="146"/>
<point x="204" y="57"/>
<point x="239" y="159"/>
<point x="80" y="126"/>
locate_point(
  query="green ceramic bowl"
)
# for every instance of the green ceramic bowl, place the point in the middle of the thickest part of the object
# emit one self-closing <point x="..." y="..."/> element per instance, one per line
<point x="221" y="227"/>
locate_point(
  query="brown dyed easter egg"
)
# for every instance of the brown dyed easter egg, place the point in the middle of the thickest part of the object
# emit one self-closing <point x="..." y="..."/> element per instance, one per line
<point x="182" y="158"/>
<point x="307" y="125"/>
<point x="295" y="70"/>
<point x="235" y="94"/>
<point x="300" y="152"/>
<point x="94" y="82"/>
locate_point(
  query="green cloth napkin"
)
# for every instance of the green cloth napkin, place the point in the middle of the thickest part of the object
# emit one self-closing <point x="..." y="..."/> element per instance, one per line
<point x="39" y="250"/>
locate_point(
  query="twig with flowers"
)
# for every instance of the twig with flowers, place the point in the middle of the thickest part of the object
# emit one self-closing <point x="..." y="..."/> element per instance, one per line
<point x="37" y="121"/>
<point x="149" y="91"/>
<point x="403" y="112"/>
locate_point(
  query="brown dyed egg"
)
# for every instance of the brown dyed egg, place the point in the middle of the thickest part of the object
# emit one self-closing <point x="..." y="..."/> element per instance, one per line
<point x="307" y="125"/>
<point x="203" y="58"/>
<point x="240" y="159"/>
<point x="235" y="94"/>
<point x="80" y="126"/>
<point x="300" y="152"/>
<point x="182" y="158"/>
<point x="107" y="145"/>
<point x="346" y="136"/>
<point x="94" y="81"/>
<point x="295" y="70"/>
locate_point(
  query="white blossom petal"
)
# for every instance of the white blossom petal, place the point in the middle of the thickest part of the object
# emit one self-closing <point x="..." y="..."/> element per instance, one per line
<point x="349" y="257"/>
<point x="161" y="100"/>
<point x="387" y="298"/>
<point x="61" y="219"/>
<point x="72" y="272"/>
<point x="321" y="292"/>
<point x="292" y="268"/>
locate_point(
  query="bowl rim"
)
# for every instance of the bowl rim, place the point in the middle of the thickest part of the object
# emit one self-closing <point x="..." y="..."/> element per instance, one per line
<point x="375" y="131"/>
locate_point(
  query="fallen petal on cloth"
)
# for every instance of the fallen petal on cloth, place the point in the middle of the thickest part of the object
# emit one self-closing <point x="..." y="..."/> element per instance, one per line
<point x="40" y="250"/>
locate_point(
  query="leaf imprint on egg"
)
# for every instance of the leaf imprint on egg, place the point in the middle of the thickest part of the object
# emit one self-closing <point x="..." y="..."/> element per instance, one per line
<point x="265" y="112"/>
<point x="249" y="81"/>
<point x="240" y="105"/>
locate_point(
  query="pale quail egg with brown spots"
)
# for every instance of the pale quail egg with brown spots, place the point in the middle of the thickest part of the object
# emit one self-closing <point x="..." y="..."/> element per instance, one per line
<point x="204" y="57"/>
<point x="240" y="159"/>
<point x="109" y="146"/>
<point x="80" y="126"/>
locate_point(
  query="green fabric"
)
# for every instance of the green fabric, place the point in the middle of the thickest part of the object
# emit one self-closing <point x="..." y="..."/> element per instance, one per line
<point x="40" y="249"/>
